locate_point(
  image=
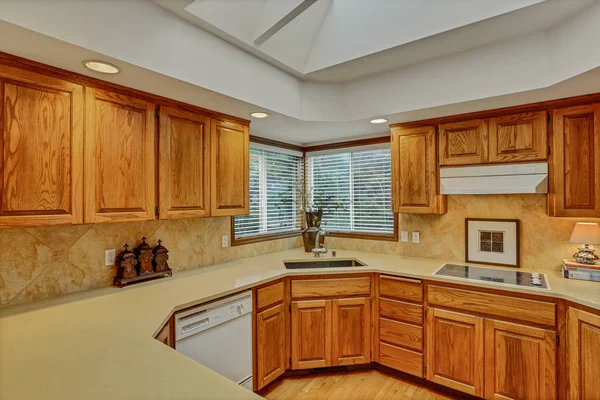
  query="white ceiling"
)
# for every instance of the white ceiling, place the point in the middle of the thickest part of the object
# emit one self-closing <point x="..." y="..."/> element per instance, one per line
<point x="322" y="68"/>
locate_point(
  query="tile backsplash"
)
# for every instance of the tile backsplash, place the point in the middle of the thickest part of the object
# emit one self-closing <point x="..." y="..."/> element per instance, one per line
<point x="40" y="263"/>
<point x="45" y="262"/>
<point x="544" y="240"/>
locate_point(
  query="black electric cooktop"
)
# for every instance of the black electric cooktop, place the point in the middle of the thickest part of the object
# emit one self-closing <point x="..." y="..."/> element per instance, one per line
<point x="502" y="276"/>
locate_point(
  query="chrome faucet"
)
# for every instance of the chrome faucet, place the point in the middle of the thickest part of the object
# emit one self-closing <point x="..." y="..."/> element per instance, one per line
<point x="319" y="248"/>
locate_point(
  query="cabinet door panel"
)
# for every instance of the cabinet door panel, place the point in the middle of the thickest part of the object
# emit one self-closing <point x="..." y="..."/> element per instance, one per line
<point x="184" y="164"/>
<point x="230" y="172"/>
<point x="351" y="337"/>
<point x="311" y="334"/>
<point x="520" y="361"/>
<point x="42" y="150"/>
<point x="270" y="332"/>
<point x="519" y="137"/>
<point x="576" y="162"/>
<point x="455" y="351"/>
<point x="119" y="158"/>
<point x="583" y="355"/>
<point x="415" y="183"/>
<point x="464" y="143"/>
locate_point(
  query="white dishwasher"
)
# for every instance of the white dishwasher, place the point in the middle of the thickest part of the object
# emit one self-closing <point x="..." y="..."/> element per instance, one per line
<point x="218" y="335"/>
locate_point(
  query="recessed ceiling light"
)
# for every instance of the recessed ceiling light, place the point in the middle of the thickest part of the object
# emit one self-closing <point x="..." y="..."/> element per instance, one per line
<point x="101" y="66"/>
<point x="379" y="121"/>
<point x="259" y="115"/>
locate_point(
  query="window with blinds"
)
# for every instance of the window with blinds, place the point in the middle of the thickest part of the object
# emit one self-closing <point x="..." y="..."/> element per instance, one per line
<point x="361" y="182"/>
<point x="274" y="174"/>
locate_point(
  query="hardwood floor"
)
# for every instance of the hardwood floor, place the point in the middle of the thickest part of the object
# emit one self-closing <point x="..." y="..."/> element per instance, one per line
<point x="363" y="384"/>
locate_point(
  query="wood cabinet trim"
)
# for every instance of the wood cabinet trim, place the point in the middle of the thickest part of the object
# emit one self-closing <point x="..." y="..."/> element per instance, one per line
<point x="494" y="305"/>
<point x="93" y="213"/>
<point x="476" y="387"/>
<point x="63" y="214"/>
<point x="543" y="379"/>
<point x="419" y="182"/>
<point x="166" y="162"/>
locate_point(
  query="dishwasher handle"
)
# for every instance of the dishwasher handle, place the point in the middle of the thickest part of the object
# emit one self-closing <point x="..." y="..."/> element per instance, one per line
<point x="195" y="325"/>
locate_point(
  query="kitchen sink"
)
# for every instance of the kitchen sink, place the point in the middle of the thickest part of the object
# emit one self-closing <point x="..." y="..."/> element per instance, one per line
<point x="324" y="264"/>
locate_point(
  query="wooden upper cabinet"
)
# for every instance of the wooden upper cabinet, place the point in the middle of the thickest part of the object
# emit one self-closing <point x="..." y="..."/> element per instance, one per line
<point x="415" y="178"/>
<point x="518" y="137"/>
<point x="42" y="149"/>
<point x="311" y="334"/>
<point x="351" y="331"/>
<point x="464" y="142"/>
<point x="230" y="172"/>
<point x="520" y="362"/>
<point x="270" y="345"/>
<point x="575" y="187"/>
<point x="455" y="351"/>
<point x="120" y="163"/>
<point x="583" y="355"/>
<point x="184" y="164"/>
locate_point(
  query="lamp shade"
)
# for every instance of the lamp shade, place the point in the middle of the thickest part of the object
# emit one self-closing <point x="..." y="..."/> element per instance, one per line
<point x="586" y="233"/>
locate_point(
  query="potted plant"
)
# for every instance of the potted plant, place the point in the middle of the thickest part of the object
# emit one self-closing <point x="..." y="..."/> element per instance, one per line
<point x="312" y="204"/>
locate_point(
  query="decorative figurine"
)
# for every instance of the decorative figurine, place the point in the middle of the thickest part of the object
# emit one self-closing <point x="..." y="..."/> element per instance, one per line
<point x="125" y="263"/>
<point x="161" y="258"/>
<point x="144" y="256"/>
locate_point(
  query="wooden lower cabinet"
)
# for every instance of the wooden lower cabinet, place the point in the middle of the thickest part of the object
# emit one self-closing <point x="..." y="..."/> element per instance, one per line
<point x="270" y="339"/>
<point x="455" y="351"/>
<point x="583" y="355"/>
<point x="311" y="334"/>
<point x="351" y="331"/>
<point x="167" y="333"/>
<point x="520" y="362"/>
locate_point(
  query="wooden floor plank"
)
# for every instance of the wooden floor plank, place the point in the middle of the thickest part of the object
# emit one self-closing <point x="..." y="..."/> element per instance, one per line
<point x="355" y="385"/>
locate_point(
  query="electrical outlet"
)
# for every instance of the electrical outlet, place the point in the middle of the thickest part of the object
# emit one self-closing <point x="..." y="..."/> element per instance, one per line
<point x="109" y="256"/>
<point x="404" y="236"/>
<point x="416" y="237"/>
<point x="225" y="241"/>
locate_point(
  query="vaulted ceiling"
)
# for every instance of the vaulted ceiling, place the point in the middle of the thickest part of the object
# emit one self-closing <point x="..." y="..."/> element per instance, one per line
<point x="322" y="68"/>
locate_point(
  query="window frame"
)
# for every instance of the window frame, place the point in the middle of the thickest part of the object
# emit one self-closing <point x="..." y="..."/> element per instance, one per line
<point x="274" y="235"/>
<point x="392" y="237"/>
<point x="297" y="232"/>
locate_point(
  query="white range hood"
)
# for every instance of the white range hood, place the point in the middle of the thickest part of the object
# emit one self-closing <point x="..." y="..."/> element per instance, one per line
<point x="495" y="179"/>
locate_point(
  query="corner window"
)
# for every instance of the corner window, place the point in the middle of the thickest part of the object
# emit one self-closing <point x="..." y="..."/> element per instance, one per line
<point x="274" y="175"/>
<point x="361" y="182"/>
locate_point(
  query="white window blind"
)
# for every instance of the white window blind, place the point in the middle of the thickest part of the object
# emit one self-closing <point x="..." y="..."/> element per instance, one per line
<point x="274" y="175"/>
<point x="361" y="181"/>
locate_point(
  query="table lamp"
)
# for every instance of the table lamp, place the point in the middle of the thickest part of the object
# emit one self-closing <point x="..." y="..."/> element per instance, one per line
<point x="586" y="233"/>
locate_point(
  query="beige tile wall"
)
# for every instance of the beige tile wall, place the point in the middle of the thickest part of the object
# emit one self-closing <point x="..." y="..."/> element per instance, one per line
<point x="38" y="263"/>
<point x="44" y="262"/>
<point x="544" y="240"/>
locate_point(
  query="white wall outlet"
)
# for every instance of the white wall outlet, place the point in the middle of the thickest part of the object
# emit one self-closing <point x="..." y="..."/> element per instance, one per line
<point x="225" y="241"/>
<point x="109" y="256"/>
<point x="404" y="236"/>
<point x="416" y="237"/>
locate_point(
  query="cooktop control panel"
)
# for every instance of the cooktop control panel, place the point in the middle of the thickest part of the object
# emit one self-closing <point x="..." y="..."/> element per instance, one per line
<point x="496" y="275"/>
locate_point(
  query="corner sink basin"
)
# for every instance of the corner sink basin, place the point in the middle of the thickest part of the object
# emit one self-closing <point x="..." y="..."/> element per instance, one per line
<point x="329" y="263"/>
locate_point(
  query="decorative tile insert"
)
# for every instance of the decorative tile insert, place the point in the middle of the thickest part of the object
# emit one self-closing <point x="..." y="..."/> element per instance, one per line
<point x="491" y="241"/>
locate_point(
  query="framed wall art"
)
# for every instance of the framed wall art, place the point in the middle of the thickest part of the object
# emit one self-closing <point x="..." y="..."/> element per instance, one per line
<point x="492" y="241"/>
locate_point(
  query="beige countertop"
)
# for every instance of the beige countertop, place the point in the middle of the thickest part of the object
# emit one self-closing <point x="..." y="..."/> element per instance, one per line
<point x="99" y="344"/>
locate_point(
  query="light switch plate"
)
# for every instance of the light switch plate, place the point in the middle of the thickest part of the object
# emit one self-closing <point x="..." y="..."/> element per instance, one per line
<point x="225" y="241"/>
<point x="109" y="256"/>
<point x="404" y="236"/>
<point x="416" y="237"/>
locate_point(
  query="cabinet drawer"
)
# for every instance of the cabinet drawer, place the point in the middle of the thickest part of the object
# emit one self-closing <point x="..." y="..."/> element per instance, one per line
<point x="525" y="310"/>
<point x="331" y="287"/>
<point x="401" y="288"/>
<point x="401" y="334"/>
<point x="401" y="359"/>
<point x="269" y="295"/>
<point x="401" y="311"/>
